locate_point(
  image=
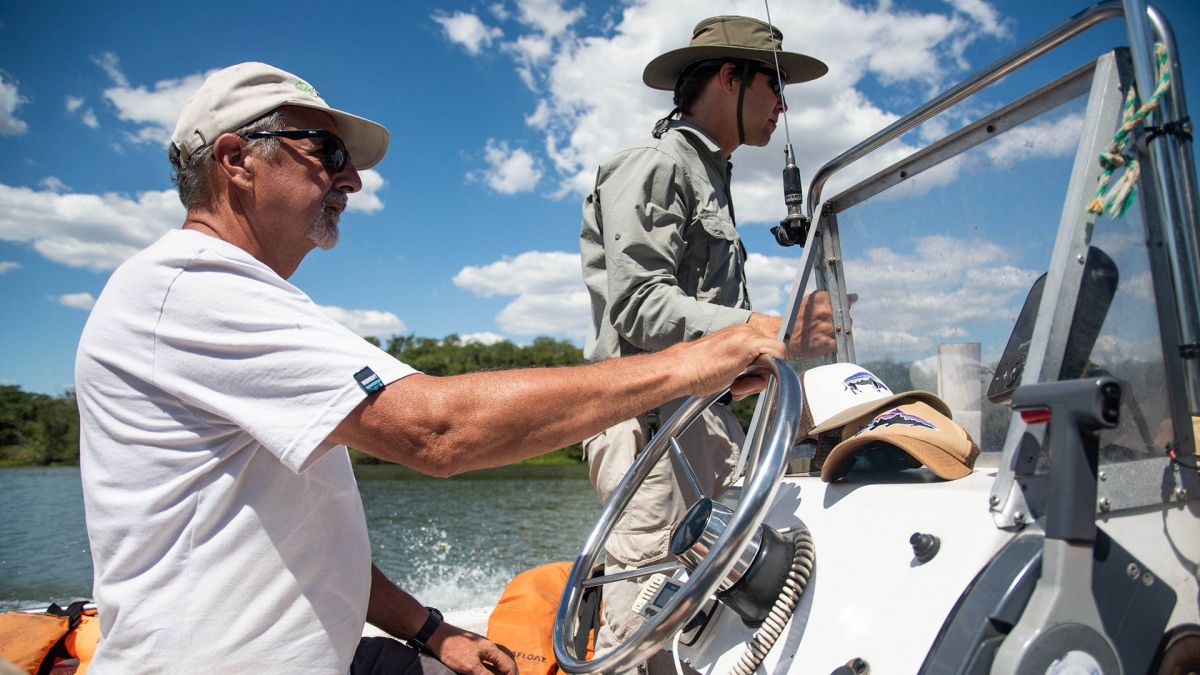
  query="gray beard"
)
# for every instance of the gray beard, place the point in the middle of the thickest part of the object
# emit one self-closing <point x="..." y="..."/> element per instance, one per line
<point x="324" y="230"/>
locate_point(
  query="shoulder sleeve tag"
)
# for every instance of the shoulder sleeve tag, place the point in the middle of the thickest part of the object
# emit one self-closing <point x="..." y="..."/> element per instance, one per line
<point x="368" y="380"/>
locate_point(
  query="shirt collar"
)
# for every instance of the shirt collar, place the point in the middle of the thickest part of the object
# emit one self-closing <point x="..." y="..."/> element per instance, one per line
<point x="702" y="135"/>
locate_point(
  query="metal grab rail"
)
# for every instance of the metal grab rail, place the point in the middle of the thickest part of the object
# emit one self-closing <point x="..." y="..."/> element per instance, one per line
<point x="1175" y="174"/>
<point x="1077" y="24"/>
<point x="1175" y="180"/>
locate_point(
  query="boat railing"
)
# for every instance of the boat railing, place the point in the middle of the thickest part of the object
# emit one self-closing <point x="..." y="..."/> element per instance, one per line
<point x="1171" y="154"/>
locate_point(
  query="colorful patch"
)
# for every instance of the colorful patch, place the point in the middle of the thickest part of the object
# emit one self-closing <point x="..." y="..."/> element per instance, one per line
<point x="860" y="381"/>
<point x="893" y="417"/>
<point x="368" y="380"/>
<point x="307" y="88"/>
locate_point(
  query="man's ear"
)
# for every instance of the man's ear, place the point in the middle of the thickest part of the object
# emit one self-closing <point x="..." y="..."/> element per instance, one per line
<point x="729" y="76"/>
<point x="232" y="158"/>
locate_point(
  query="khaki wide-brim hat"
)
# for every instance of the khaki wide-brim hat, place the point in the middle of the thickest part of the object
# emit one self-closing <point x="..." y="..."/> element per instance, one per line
<point x="234" y="97"/>
<point x="735" y="37"/>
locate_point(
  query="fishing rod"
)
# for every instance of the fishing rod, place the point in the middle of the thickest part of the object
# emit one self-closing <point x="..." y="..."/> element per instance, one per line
<point x="793" y="229"/>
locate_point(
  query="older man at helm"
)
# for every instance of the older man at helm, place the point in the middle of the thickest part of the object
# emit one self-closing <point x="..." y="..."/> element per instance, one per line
<point x="216" y="400"/>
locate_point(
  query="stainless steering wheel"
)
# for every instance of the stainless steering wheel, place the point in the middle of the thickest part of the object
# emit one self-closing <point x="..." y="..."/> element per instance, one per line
<point x="769" y="453"/>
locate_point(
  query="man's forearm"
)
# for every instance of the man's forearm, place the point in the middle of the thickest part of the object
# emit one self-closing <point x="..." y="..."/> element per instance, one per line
<point x="813" y="334"/>
<point x="447" y="425"/>
<point x="391" y="609"/>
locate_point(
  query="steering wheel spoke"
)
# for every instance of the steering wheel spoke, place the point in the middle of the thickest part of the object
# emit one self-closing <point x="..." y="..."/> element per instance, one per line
<point x="689" y="485"/>
<point x="661" y="568"/>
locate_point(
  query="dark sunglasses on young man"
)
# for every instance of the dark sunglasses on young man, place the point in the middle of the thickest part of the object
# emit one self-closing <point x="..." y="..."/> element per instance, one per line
<point x="335" y="154"/>
<point x="773" y="79"/>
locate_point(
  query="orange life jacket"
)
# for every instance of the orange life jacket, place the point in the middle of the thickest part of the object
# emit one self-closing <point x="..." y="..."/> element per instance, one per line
<point x="35" y="642"/>
<point x="523" y="620"/>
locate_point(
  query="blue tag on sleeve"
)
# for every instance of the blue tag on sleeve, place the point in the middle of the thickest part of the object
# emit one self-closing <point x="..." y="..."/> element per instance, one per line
<point x="368" y="380"/>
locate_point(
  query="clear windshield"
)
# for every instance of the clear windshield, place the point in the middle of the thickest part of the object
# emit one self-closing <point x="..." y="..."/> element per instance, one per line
<point x="943" y="261"/>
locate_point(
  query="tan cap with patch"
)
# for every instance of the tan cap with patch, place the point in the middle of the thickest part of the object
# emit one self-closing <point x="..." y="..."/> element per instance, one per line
<point x="238" y="95"/>
<point x="927" y="435"/>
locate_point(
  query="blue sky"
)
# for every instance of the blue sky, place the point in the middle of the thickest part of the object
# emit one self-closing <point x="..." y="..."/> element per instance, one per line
<point x="499" y="112"/>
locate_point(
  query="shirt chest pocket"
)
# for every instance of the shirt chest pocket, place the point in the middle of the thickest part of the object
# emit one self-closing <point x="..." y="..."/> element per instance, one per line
<point x="718" y="259"/>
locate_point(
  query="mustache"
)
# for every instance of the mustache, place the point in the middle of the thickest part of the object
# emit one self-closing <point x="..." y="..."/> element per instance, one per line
<point x="336" y="198"/>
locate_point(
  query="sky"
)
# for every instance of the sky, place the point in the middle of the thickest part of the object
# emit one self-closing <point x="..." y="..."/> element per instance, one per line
<point x="499" y="111"/>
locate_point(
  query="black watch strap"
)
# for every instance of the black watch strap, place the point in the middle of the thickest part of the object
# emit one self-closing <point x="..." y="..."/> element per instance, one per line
<point x="431" y="624"/>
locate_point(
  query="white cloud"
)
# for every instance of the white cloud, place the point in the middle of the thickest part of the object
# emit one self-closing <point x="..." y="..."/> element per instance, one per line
<point x="83" y="301"/>
<point x="590" y="101"/>
<point x="558" y="313"/>
<point x="484" y="338"/>
<point x="769" y="280"/>
<point x="910" y="302"/>
<point x="366" y="200"/>
<point x="10" y="100"/>
<point x="156" y="109"/>
<point x="1042" y="138"/>
<point x="468" y="30"/>
<point x="1139" y="289"/>
<point x="86" y="115"/>
<point x="547" y="16"/>
<point x="366" y="322"/>
<point x="509" y="171"/>
<point x="530" y="272"/>
<point x="53" y="184"/>
<point x="1111" y="350"/>
<point x="7" y="266"/>
<point x="109" y="62"/>
<point x="551" y="298"/>
<point x="86" y="230"/>
<point x="983" y="14"/>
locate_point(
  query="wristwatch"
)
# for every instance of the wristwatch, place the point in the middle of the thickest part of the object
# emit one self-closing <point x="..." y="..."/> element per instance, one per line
<point x="431" y="624"/>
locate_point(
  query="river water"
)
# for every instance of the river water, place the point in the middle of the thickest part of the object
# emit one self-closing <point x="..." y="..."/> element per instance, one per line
<point x="453" y="544"/>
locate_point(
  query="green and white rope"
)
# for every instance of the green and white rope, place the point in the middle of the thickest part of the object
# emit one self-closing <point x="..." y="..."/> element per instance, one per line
<point x="1121" y="197"/>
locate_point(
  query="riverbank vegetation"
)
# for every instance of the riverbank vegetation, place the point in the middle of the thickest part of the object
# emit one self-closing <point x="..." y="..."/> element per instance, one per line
<point x="39" y="430"/>
<point x="36" y="429"/>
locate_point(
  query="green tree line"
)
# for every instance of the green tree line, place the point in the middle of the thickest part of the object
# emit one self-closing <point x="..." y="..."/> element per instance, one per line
<point x="38" y="429"/>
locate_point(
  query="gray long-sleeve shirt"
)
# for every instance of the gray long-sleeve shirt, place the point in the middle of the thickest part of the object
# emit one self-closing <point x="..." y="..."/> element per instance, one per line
<point x="661" y="255"/>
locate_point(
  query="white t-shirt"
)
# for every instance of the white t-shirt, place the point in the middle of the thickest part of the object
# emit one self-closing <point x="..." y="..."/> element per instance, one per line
<point x="227" y="534"/>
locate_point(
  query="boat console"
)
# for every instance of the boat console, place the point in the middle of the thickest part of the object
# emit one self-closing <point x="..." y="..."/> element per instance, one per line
<point x="1065" y="343"/>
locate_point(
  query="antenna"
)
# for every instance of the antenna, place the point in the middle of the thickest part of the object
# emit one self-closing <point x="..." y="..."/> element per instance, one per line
<point x="787" y="134"/>
<point x="793" y="229"/>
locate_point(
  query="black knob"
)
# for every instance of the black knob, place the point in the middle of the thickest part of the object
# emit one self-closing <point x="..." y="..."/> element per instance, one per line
<point x="925" y="546"/>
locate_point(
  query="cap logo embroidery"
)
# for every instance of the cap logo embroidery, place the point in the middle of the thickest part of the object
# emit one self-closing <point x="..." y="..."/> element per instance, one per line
<point x="862" y="380"/>
<point x="307" y="88"/>
<point x="893" y="417"/>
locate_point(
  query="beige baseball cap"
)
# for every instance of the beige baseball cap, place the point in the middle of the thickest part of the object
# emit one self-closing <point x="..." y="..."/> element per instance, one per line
<point x="928" y="436"/>
<point x="240" y="94"/>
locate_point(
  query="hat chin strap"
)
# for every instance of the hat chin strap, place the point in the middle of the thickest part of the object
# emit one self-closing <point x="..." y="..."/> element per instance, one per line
<point x="741" y="98"/>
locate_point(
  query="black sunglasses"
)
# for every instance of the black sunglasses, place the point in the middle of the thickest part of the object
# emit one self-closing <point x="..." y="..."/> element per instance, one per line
<point x="773" y="78"/>
<point x="336" y="154"/>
